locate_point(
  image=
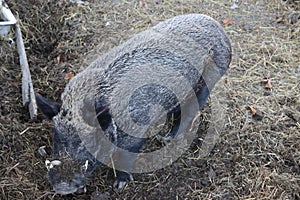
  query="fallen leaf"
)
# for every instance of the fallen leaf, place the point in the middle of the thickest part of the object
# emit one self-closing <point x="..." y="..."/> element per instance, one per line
<point x="227" y="21"/>
<point x="268" y="84"/>
<point x="252" y="110"/>
<point x="69" y="76"/>
<point x="227" y="81"/>
<point x="256" y="114"/>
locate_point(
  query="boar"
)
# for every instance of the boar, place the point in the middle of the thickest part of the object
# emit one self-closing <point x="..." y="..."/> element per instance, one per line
<point x="151" y="77"/>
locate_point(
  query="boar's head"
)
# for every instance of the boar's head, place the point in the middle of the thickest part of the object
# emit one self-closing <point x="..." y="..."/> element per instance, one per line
<point x="70" y="163"/>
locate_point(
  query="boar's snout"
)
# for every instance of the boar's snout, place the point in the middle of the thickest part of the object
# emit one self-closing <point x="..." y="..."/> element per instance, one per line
<point x="66" y="179"/>
<point x="77" y="184"/>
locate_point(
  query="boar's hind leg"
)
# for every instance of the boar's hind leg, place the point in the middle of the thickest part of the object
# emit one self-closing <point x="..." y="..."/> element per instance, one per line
<point x="202" y="96"/>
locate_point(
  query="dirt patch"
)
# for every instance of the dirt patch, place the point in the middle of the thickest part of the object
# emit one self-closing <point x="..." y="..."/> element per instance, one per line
<point x="255" y="158"/>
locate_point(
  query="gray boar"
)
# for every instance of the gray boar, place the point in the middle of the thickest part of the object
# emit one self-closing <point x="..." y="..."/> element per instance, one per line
<point x="152" y="76"/>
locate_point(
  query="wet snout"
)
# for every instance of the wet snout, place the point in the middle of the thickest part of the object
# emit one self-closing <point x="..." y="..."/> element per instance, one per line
<point x="77" y="184"/>
<point x="64" y="188"/>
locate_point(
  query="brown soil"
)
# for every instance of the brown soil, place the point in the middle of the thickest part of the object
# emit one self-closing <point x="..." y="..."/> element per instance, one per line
<point x="257" y="155"/>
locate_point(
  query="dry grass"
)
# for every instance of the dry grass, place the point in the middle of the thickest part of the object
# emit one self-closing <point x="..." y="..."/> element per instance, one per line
<point x="255" y="158"/>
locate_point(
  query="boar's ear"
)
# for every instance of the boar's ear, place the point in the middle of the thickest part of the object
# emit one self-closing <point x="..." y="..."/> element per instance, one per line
<point x="47" y="107"/>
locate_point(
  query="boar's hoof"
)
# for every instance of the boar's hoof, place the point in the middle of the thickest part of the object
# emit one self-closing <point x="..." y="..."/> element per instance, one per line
<point x="122" y="179"/>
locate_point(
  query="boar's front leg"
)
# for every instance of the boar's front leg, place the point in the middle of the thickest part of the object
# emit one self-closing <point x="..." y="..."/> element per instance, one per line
<point x="122" y="161"/>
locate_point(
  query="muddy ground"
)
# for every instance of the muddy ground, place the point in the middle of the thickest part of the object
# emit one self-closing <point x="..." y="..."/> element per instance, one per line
<point x="257" y="155"/>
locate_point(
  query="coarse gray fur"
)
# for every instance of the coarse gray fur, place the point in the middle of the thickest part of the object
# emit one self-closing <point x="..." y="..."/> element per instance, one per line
<point x="192" y="47"/>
